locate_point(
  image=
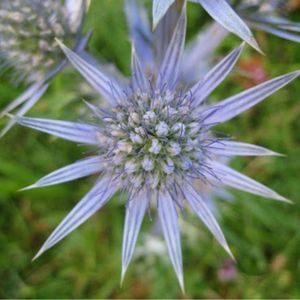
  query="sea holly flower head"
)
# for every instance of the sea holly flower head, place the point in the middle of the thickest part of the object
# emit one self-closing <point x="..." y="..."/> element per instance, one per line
<point x="28" y="47"/>
<point x="154" y="140"/>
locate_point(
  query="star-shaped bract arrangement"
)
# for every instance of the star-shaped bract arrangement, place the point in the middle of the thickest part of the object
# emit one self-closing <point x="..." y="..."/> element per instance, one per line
<point x="154" y="140"/>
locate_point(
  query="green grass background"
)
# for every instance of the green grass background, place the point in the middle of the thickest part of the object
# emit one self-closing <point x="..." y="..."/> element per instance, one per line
<point x="264" y="235"/>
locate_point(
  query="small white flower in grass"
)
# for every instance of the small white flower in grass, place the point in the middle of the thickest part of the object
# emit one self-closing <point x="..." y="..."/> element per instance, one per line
<point x="166" y="167"/>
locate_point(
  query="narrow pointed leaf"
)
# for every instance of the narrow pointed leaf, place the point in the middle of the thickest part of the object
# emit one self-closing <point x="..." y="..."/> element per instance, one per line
<point x="159" y="9"/>
<point x="232" y="148"/>
<point x="227" y="176"/>
<point x="107" y="87"/>
<point x="203" y="212"/>
<point x="169" y="70"/>
<point x="71" y="131"/>
<point x="169" y="221"/>
<point x="204" y="87"/>
<point x="135" y="212"/>
<point x="221" y="11"/>
<point x="25" y="108"/>
<point x="92" y="202"/>
<point x="237" y="104"/>
<point x="79" y="169"/>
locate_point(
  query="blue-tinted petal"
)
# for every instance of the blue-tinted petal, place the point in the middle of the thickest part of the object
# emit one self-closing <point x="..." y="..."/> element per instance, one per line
<point x="285" y="34"/>
<point x="204" y="87"/>
<point x="75" y="132"/>
<point x="226" y="176"/>
<point x="82" y="168"/>
<point x="92" y="202"/>
<point x="139" y="80"/>
<point x="107" y="87"/>
<point x="159" y="9"/>
<point x="107" y="67"/>
<point x="232" y="148"/>
<point x="203" y="212"/>
<point x="135" y="212"/>
<point x="221" y="11"/>
<point x="237" y="104"/>
<point x="164" y="31"/>
<point x="198" y="55"/>
<point x="169" y="69"/>
<point x="169" y="221"/>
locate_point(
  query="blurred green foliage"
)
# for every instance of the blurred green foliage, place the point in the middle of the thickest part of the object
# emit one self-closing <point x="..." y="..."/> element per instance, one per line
<point x="264" y="235"/>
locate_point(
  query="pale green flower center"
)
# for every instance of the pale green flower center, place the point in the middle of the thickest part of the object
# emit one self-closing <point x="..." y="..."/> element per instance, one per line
<point x="150" y="141"/>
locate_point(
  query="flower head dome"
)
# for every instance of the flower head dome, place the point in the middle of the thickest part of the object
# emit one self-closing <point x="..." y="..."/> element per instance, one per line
<point x="154" y="140"/>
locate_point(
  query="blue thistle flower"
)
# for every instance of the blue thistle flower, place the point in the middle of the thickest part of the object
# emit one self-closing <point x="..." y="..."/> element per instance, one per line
<point x="151" y="47"/>
<point x="154" y="140"/>
<point x="27" y="44"/>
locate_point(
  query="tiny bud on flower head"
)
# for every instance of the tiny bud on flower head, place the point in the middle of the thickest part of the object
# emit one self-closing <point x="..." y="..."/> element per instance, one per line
<point x="189" y="146"/>
<point x="136" y="181"/>
<point x="153" y="180"/>
<point x="194" y="128"/>
<point x="124" y="146"/>
<point x="168" y="166"/>
<point x="117" y="131"/>
<point x="149" y="117"/>
<point x="178" y="129"/>
<point x="162" y="129"/>
<point x="135" y="138"/>
<point x="134" y="118"/>
<point x="174" y="149"/>
<point x="140" y="130"/>
<point x="148" y="164"/>
<point x="155" y="147"/>
<point x="185" y="163"/>
<point x="130" y="167"/>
